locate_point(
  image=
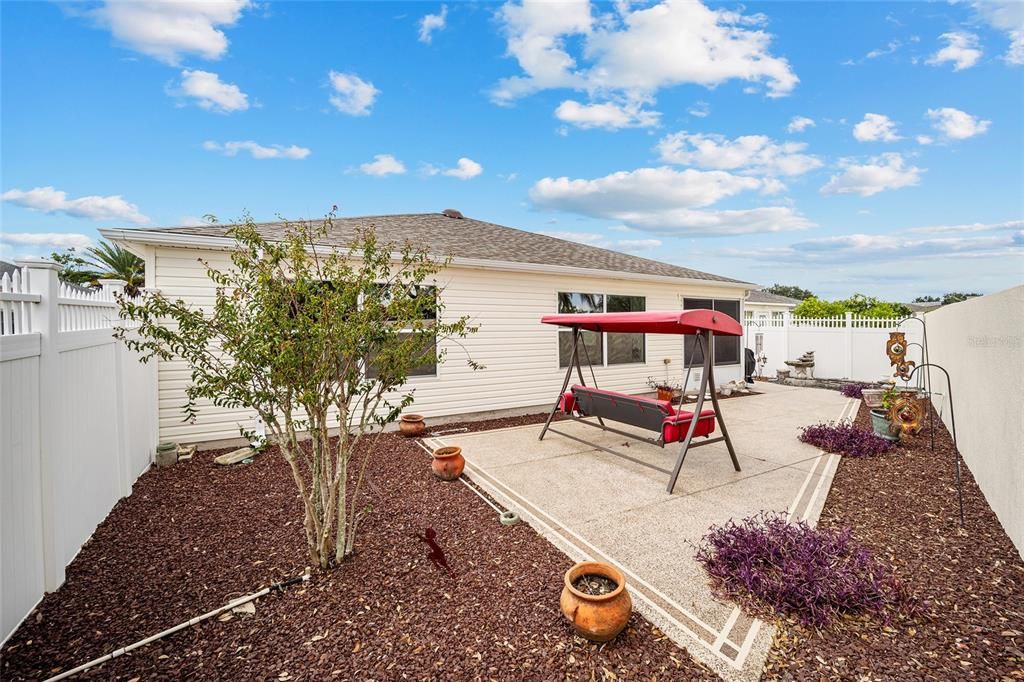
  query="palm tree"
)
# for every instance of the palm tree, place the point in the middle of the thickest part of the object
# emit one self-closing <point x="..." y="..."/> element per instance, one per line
<point x="113" y="262"/>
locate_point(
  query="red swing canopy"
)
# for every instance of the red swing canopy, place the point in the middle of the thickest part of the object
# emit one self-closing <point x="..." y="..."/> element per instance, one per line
<point x="688" y="322"/>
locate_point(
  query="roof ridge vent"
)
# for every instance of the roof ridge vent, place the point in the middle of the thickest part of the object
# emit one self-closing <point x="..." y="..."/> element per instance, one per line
<point x="452" y="213"/>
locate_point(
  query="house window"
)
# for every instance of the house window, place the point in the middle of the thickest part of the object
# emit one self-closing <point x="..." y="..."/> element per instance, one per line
<point x="619" y="349"/>
<point x="727" y="348"/>
<point x="426" y="360"/>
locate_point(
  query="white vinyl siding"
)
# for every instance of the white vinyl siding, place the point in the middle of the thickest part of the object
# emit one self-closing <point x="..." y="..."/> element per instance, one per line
<point x="520" y="354"/>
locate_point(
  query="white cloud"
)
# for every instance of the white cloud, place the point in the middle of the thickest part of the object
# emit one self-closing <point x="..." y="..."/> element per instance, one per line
<point x="924" y="139"/>
<point x="432" y="22"/>
<point x="663" y="200"/>
<point x="700" y="109"/>
<point x="50" y="200"/>
<point x="956" y="124"/>
<point x="49" y="240"/>
<point x="638" y="244"/>
<point x="256" y="150"/>
<point x="866" y="248"/>
<point x="965" y="228"/>
<point x="1008" y="16"/>
<point x="465" y="169"/>
<point x="383" y="164"/>
<point x="876" y="128"/>
<point x="352" y="95"/>
<point x="888" y="171"/>
<point x="756" y="154"/>
<point x="211" y="93"/>
<point x="168" y="31"/>
<point x="635" y="51"/>
<point x="606" y="115"/>
<point x="961" y="49"/>
<point x="799" y="124"/>
<point x="891" y="47"/>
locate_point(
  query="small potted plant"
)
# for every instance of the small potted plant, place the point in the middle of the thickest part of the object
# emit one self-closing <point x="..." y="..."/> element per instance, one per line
<point x="880" y="421"/>
<point x="666" y="389"/>
<point x="595" y="600"/>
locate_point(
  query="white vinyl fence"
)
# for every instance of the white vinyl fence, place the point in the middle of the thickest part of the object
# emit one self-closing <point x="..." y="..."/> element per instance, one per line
<point x="846" y="347"/>
<point x="78" y="424"/>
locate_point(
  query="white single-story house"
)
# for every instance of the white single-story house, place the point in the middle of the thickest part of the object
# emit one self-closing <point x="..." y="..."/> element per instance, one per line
<point x="505" y="279"/>
<point x="761" y="306"/>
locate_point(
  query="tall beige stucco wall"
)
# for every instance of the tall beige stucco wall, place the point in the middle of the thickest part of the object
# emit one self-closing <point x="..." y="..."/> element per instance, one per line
<point x="980" y="342"/>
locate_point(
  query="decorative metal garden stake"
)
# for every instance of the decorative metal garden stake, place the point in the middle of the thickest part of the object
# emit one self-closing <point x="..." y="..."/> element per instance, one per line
<point x="952" y="422"/>
<point x="928" y="374"/>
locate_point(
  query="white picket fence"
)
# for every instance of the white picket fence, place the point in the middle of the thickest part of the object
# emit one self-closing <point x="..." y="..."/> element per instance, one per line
<point x="845" y="347"/>
<point x="78" y="424"/>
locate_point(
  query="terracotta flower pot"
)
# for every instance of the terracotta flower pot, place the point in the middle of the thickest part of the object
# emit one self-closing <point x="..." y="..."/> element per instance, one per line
<point x="448" y="463"/>
<point x="665" y="394"/>
<point x="598" y="618"/>
<point x="412" y="425"/>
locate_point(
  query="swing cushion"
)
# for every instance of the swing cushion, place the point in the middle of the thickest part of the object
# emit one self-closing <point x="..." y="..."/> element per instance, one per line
<point x="646" y="413"/>
<point x="674" y="428"/>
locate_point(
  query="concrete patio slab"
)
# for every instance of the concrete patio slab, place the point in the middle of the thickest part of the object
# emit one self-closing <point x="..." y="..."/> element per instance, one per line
<point x="594" y="505"/>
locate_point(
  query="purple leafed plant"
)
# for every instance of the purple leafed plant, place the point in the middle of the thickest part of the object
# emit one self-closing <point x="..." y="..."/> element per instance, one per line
<point x="775" y="568"/>
<point x="844" y="438"/>
<point x="852" y="390"/>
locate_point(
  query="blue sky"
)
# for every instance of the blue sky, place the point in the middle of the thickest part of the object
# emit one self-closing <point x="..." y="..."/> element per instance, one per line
<point x="870" y="147"/>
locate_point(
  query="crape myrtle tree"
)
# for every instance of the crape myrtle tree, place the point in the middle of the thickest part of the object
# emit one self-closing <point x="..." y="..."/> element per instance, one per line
<point x="313" y="339"/>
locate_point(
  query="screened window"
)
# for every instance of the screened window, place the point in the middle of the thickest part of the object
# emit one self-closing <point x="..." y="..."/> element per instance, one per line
<point x="626" y="348"/>
<point x="426" y="360"/>
<point x="727" y="348"/>
<point x="619" y="349"/>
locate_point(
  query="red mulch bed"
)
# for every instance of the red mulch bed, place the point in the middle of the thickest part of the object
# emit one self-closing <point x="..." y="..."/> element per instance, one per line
<point x="969" y="582"/>
<point x="194" y="536"/>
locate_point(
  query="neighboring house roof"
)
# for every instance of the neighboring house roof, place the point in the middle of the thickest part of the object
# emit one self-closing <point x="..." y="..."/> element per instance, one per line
<point x="773" y="299"/>
<point x="462" y="238"/>
<point x="923" y="307"/>
<point x="7" y="268"/>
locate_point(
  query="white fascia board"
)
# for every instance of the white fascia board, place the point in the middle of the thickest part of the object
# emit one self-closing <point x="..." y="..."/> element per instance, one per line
<point x="225" y="243"/>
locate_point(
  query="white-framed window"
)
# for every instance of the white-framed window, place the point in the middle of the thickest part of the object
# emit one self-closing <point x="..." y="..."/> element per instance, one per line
<point x="602" y="349"/>
<point x="427" y="366"/>
<point x="727" y="348"/>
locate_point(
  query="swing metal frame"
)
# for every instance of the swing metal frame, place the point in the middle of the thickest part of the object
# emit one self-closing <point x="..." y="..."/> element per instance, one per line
<point x="704" y="324"/>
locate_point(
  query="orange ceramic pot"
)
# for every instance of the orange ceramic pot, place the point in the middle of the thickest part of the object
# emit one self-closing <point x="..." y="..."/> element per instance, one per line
<point x="665" y="394"/>
<point x="412" y="425"/>
<point x="598" y="618"/>
<point x="448" y="463"/>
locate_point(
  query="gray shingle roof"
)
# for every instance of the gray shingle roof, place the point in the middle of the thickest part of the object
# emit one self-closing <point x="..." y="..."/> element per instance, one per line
<point x="469" y="238"/>
<point x="765" y="297"/>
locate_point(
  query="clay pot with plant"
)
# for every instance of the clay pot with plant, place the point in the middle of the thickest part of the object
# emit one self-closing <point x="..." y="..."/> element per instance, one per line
<point x="448" y="462"/>
<point x="881" y="423"/>
<point x="595" y="600"/>
<point x="666" y="390"/>
<point x="412" y="425"/>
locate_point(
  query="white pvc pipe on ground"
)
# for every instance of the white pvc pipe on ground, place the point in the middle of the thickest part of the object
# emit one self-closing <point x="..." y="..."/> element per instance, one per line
<point x="180" y="626"/>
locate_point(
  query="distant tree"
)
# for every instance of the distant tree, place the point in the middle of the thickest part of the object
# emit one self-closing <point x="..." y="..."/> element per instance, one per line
<point x="956" y="297"/>
<point x="103" y="261"/>
<point x="789" y="291"/>
<point x="858" y="304"/>
<point x="73" y="268"/>
<point x="945" y="299"/>
<point x="112" y="262"/>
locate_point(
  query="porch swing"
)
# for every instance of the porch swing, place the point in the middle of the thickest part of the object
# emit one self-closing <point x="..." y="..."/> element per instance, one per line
<point x="580" y="402"/>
